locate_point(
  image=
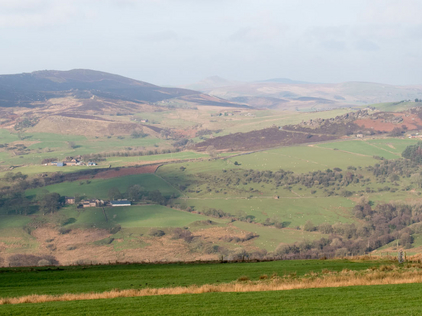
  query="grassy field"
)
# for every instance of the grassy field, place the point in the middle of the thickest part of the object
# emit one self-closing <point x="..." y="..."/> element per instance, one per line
<point x="363" y="300"/>
<point x="302" y="159"/>
<point x="98" y="188"/>
<point x="294" y="212"/>
<point x="388" y="148"/>
<point x="395" y="106"/>
<point x="80" y="279"/>
<point x="270" y="237"/>
<point x="130" y="217"/>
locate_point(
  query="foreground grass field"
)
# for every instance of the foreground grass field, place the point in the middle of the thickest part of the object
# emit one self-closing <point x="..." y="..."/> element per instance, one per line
<point x="362" y="300"/>
<point x="389" y="299"/>
<point x="79" y="279"/>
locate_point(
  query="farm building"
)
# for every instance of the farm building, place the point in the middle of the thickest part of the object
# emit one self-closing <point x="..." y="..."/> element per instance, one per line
<point x="69" y="200"/>
<point x="60" y="164"/>
<point x="92" y="203"/>
<point x="120" y="203"/>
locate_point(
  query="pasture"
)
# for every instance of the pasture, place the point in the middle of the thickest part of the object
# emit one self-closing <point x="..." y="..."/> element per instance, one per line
<point x="98" y="188"/>
<point x="136" y="216"/>
<point x="374" y="300"/>
<point x="403" y="299"/>
<point x="293" y="211"/>
<point x="388" y="148"/>
<point x="82" y="279"/>
<point x="301" y="159"/>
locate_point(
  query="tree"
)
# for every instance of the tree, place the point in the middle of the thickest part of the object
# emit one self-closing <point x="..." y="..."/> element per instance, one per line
<point x="18" y="203"/>
<point x="114" y="194"/>
<point x="156" y="196"/>
<point x="72" y="145"/>
<point x="211" y="151"/>
<point x="49" y="203"/>
<point x="309" y="226"/>
<point x="135" y="192"/>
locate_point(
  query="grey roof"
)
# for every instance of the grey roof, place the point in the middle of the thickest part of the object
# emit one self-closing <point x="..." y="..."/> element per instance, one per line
<point x="120" y="202"/>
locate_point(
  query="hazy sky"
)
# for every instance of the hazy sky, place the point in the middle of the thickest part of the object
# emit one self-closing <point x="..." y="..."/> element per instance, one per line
<point x="183" y="41"/>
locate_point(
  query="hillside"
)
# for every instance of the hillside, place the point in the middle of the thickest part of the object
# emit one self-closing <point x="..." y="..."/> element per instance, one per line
<point x="27" y="88"/>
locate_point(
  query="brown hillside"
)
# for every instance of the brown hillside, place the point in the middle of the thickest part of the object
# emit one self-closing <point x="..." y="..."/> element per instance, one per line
<point x="265" y="138"/>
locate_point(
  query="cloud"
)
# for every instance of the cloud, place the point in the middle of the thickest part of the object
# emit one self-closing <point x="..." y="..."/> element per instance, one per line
<point x="334" y="45"/>
<point x="257" y="34"/>
<point x="366" y="45"/>
<point x="40" y="13"/>
<point x="161" y="36"/>
<point x="392" y="12"/>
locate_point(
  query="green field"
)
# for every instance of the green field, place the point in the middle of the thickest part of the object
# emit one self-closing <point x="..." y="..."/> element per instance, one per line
<point x="302" y="159"/>
<point x="401" y="299"/>
<point x="395" y="106"/>
<point x="81" y="279"/>
<point x="370" y="300"/>
<point x="98" y="188"/>
<point x="135" y="216"/>
<point x="389" y="148"/>
<point x="294" y="211"/>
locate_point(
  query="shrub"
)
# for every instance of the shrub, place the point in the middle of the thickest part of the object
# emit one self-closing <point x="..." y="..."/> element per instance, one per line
<point x="115" y="229"/>
<point x="156" y="232"/>
<point x="185" y="234"/>
<point x="23" y="260"/>
<point x="64" y="231"/>
<point x="104" y="242"/>
<point x="309" y="226"/>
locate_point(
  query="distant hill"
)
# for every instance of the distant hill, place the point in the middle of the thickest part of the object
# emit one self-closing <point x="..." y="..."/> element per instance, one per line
<point x="287" y="94"/>
<point x="286" y="81"/>
<point x="210" y="83"/>
<point x="31" y="89"/>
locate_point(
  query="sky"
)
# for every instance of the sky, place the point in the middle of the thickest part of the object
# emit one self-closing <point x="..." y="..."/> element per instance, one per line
<point x="176" y="42"/>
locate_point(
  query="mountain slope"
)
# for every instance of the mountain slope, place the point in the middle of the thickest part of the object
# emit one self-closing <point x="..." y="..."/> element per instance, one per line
<point x="27" y="88"/>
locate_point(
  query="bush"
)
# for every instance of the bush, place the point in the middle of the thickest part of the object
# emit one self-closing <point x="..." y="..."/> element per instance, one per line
<point x="21" y="260"/>
<point x="156" y="232"/>
<point x="104" y="242"/>
<point x="64" y="231"/>
<point x="115" y="229"/>
<point x="309" y="226"/>
<point x="185" y="234"/>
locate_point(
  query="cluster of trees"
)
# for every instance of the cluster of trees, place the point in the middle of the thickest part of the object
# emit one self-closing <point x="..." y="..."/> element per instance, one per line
<point x="25" y="260"/>
<point x="26" y="123"/>
<point x="281" y="178"/>
<point x="381" y="225"/>
<point x="128" y="153"/>
<point x="414" y="152"/>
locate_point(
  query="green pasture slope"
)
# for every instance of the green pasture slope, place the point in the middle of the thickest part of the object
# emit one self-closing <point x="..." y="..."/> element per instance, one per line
<point x="402" y="299"/>
<point x="302" y="159"/>
<point x="296" y="211"/>
<point x="388" y="148"/>
<point x="98" y="188"/>
<point x="130" y="217"/>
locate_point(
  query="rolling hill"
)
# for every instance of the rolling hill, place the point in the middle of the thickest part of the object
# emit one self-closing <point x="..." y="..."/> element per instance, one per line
<point x="287" y="94"/>
<point x="94" y="88"/>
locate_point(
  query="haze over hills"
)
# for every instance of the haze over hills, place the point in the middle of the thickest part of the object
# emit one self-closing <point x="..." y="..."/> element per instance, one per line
<point x="287" y="94"/>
